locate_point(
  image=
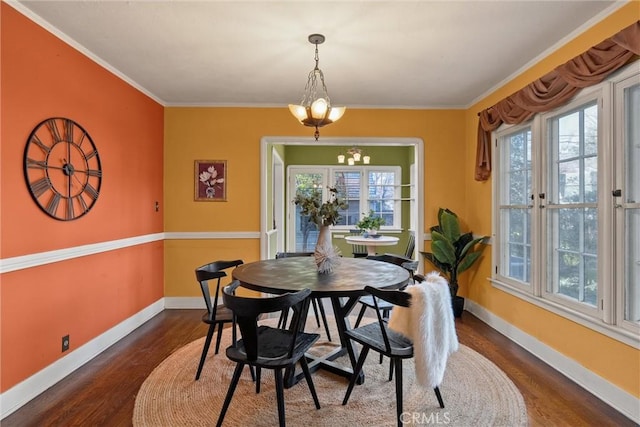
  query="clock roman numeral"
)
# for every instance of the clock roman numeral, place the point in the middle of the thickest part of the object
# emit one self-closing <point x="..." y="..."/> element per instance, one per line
<point x="92" y="192"/>
<point x="36" y="140"/>
<point x="36" y="164"/>
<point x="94" y="172"/>
<point x="82" y="203"/>
<point x="82" y="138"/>
<point x="70" y="213"/>
<point x="52" y="206"/>
<point x="53" y="128"/>
<point x="91" y="155"/>
<point x="68" y="130"/>
<point x="40" y="186"/>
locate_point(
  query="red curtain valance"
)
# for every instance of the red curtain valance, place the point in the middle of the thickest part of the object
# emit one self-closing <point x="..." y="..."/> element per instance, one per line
<point x="554" y="89"/>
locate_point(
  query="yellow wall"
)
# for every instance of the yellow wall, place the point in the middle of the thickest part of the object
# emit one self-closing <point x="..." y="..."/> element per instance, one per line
<point x="612" y="360"/>
<point x="234" y="134"/>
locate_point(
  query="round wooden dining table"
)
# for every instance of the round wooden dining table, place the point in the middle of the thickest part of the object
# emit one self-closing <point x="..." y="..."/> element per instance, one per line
<point x="343" y="286"/>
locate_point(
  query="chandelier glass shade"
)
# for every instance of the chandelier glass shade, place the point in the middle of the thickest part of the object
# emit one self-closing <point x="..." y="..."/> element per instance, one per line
<point x="315" y="109"/>
<point x="355" y="155"/>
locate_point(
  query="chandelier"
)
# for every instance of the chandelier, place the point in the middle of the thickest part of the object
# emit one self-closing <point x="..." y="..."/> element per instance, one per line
<point x="315" y="109"/>
<point x="355" y="155"/>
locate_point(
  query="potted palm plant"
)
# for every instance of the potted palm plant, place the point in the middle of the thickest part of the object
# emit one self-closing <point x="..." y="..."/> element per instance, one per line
<point x="453" y="252"/>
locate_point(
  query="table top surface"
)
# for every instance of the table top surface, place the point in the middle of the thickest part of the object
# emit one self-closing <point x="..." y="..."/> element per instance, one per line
<point x="379" y="241"/>
<point x="348" y="278"/>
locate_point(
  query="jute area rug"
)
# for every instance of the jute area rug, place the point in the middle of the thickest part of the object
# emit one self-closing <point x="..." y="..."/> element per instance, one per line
<point x="474" y="390"/>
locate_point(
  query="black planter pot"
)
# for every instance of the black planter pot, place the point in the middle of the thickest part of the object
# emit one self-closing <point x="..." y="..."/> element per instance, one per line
<point x="458" y="306"/>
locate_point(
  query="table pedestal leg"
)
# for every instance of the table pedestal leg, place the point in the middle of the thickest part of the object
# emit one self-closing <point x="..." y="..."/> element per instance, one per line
<point x="341" y="313"/>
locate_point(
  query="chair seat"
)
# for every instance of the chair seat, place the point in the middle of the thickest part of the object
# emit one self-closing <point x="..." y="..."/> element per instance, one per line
<point x="382" y="304"/>
<point x="273" y="347"/>
<point x="223" y="314"/>
<point x="371" y="336"/>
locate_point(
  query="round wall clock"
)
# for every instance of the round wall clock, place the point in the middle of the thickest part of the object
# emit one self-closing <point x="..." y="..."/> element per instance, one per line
<point x="62" y="168"/>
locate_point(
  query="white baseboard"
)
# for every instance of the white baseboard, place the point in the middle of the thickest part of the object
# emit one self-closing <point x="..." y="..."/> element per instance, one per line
<point x="609" y="393"/>
<point x="184" y="302"/>
<point x="18" y="395"/>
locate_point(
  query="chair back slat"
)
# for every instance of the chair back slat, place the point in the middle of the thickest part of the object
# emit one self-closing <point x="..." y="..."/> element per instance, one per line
<point x="213" y="271"/>
<point x="411" y="245"/>
<point x="395" y="297"/>
<point x="247" y="310"/>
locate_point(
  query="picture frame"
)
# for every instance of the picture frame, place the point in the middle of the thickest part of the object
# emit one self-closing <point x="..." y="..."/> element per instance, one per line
<point x="211" y="180"/>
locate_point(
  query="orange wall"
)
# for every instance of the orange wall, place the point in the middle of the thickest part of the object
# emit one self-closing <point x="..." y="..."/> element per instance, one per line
<point x="42" y="77"/>
<point x="234" y="134"/>
<point x="612" y="360"/>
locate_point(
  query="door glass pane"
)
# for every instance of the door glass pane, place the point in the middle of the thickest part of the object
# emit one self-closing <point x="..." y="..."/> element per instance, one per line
<point x="306" y="232"/>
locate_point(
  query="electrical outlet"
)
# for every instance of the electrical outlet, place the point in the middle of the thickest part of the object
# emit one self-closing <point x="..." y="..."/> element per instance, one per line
<point x="65" y="343"/>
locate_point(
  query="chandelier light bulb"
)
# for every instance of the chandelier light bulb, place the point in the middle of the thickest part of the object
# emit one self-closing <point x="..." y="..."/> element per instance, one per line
<point x="356" y="156"/>
<point x="340" y="158"/>
<point x="351" y="161"/>
<point x="319" y="108"/>
<point x="366" y="160"/>
<point x="336" y="113"/>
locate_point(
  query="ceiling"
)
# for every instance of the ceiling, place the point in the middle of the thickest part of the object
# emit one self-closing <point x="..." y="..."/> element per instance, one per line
<point x="385" y="54"/>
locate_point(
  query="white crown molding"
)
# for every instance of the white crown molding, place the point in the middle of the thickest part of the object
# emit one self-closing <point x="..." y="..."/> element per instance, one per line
<point x="18" y="395"/>
<point x="562" y="42"/>
<point x="609" y="393"/>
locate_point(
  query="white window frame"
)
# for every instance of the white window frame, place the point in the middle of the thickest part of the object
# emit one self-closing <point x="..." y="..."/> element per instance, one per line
<point x="608" y="316"/>
<point x="364" y="198"/>
<point x="328" y="173"/>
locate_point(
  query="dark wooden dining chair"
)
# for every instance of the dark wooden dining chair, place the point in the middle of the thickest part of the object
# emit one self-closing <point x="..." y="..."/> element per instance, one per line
<point x="217" y="314"/>
<point x="378" y="337"/>
<point x="367" y="301"/>
<point x="358" y="251"/>
<point x="316" y="303"/>
<point x="265" y="347"/>
<point x="411" y="245"/>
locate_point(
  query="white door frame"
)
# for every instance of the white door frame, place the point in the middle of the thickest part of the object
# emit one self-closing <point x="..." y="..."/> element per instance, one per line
<point x="265" y="180"/>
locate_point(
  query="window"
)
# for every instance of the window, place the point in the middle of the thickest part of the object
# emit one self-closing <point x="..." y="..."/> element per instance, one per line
<point x="567" y="208"/>
<point x="364" y="188"/>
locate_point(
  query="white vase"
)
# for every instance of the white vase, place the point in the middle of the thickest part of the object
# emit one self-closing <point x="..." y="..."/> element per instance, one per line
<point x="325" y="255"/>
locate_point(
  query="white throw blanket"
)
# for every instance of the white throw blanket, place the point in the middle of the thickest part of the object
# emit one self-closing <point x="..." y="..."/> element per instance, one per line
<point x="429" y="323"/>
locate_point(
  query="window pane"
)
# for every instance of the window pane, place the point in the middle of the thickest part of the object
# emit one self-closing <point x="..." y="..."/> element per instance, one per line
<point x="632" y="262"/>
<point x="347" y="184"/>
<point x="631" y="257"/>
<point x="590" y="179"/>
<point x="382" y="195"/>
<point x="515" y="192"/>
<point x="632" y="143"/>
<point x="573" y="254"/>
<point x="568" y="136"/>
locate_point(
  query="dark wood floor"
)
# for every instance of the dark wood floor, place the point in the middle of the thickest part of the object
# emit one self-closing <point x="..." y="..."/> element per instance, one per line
<point x="102" y="393"/>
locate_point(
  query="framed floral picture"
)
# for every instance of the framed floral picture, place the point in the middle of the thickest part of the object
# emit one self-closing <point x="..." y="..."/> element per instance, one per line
<point x="211" y="180"/>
